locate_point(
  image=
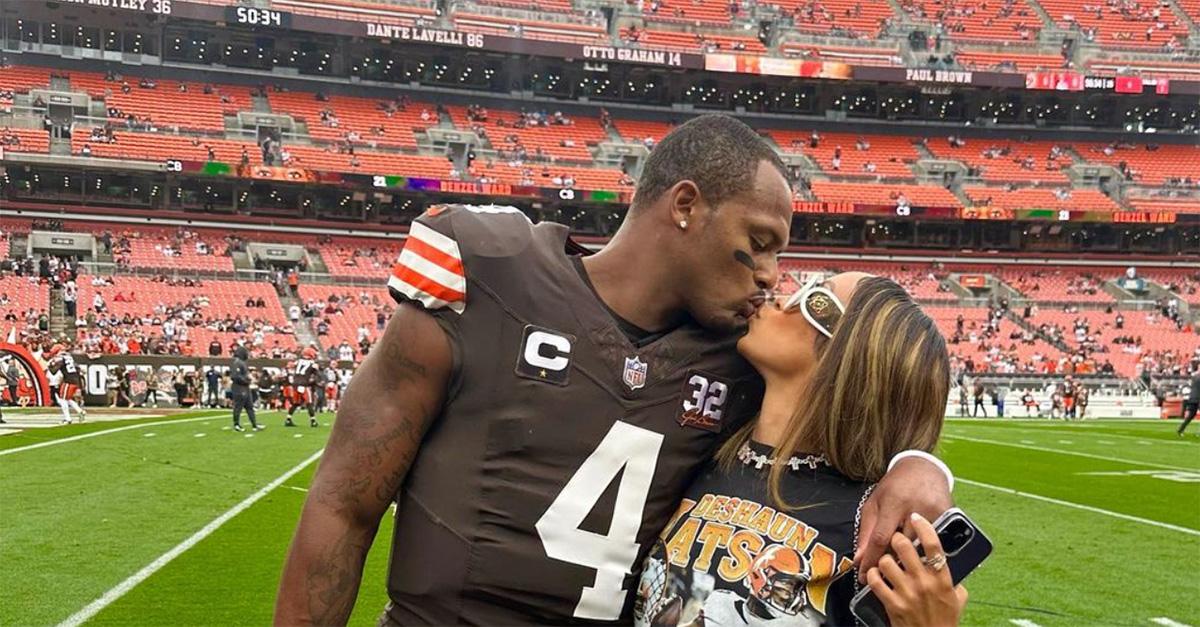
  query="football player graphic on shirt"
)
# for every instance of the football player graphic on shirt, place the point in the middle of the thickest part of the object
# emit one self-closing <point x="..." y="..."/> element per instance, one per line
<point x="775" y="594"/>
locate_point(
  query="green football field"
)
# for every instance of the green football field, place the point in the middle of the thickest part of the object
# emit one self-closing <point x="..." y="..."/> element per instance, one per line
<point x="180" y="521"/>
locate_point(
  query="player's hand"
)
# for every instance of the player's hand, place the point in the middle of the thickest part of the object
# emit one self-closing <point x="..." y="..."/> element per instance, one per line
<point x="913" y="486"/>
<point x="913" y="592"/>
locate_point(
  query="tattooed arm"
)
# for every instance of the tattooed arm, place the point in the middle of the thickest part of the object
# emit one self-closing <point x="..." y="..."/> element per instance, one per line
<point x="391" y="399"/>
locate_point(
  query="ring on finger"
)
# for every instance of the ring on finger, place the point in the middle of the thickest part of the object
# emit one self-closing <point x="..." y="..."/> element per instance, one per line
<point x="936" y="562"/>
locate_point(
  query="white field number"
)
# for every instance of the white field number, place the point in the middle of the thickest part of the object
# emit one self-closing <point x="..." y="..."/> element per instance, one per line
<point x="625" y="446"/>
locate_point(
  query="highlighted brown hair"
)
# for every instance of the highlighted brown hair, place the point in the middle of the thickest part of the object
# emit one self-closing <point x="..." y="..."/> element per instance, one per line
<point x="879" y="387"/>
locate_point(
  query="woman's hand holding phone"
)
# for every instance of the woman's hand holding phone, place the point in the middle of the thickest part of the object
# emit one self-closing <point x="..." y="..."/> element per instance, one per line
<point x="914" y="592"/>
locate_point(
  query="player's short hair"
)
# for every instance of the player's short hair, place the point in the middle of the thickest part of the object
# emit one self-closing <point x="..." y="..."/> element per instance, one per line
<point x="718" y="153"/>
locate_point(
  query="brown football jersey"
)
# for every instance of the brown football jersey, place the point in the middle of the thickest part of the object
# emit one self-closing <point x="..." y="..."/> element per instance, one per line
<point x="562" y="448"/>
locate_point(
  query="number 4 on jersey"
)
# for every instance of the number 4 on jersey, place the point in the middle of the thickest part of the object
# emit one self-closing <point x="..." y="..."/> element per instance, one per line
<point x="625" y="446"/>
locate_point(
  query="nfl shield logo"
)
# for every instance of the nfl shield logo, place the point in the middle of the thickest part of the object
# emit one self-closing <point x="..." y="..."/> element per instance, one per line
<point x="635" y="373"/>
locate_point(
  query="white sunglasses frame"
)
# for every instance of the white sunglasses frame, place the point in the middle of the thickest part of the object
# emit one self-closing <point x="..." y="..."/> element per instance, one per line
<point x="799" y="299"/>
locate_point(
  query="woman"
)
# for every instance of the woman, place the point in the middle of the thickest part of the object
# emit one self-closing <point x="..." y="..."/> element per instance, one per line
<point x="766" y="534"/>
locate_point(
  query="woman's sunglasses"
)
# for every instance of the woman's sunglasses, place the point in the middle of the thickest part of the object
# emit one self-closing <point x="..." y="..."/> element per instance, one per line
<point x="819" y="306"/>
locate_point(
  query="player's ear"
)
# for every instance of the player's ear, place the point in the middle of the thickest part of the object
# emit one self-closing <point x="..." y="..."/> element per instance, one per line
<point x="685" y="204"/>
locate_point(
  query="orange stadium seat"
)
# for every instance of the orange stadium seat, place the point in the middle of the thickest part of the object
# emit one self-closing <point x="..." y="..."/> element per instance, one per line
<point x="344" y="326"/>
<point x="1007" y="167"/>
<point x="1041" y="198"/>
<point x="1149" y="167"/>
<point x="891" y="154"/>
<point x="687" y="12"/>
<point x="918" y="195"/>
<point x="982" y="60"/>
<point x="566" y="31"/>
<point x="568" y="142"/>
<point x="845" y="54"/>
<point x="1176" y="206"/>
<point x="858" y="19"/>
<point x="1117" y="27"/>
<point x="355" y="115"/>
<point x="696" y="42"/>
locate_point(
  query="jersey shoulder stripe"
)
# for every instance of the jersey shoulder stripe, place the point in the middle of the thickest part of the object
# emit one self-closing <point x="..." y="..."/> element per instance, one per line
<point x="430" y="270"/>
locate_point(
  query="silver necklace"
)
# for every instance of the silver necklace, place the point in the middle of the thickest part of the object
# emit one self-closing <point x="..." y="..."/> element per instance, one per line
<point x="750" y="458"/>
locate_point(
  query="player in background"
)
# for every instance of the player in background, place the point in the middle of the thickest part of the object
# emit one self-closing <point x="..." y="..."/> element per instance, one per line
<point x="65" y="384"/>
<point x="1068" y="398"/>
<point x="1192" y="401"/>
<point x="1081" y="401"/>
<point x="1031" y="405"/>
<point x="303" y="377"/>
<point x="331" y="389"/>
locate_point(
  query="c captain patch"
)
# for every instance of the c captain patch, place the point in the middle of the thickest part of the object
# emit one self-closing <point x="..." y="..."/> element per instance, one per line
<point x="545" y="355"/>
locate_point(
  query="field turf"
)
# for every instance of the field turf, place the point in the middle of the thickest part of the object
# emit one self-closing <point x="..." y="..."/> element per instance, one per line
<point x="154" y="522"/>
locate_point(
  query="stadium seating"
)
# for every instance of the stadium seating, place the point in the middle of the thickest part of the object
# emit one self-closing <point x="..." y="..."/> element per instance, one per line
<point x="22" y="78"/>
<point x="27" y="140"/>
<point x="1119" y="27"/>
<point x="162" y="147"/>
<point x="396" y="12"/>
<point x="361" y="116"/>
<point x="996" y="61"/>
<point x="638" y="131"/>
<point x="343" y="327"/>
<point x="857" y="19"/>
<point x="570" y="31"/>
<point x="164" y="104"/>
<point x="1041" y="197"/>
<point x="1010" y="160"/>
<point x="354" y="257"/>
<point x="921" y="195"/>
<point x="999" y="354"/>
<point x="685" y="12"/>
<point x="1156" y="333"/>
<point x="921" y="282"/>
<point x="1150" y="167"/>
<point x="696" y="42"/>
<point x="567" y="142"/>
<point x="21" y="296"/>
<point x="1175" y="206"/>
<point x="1057" y="284"/>
<point x="845" y="54"/>
<point x="890" y="154"/>
<point x="225" y="299"/>
<point x="996" y="21"/>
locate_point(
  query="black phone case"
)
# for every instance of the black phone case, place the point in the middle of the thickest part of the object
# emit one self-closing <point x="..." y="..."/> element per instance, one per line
<point x="869" y="609"/>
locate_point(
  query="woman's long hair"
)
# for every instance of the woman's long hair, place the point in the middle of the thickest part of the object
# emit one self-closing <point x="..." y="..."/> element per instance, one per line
<point x="879" y="387"/>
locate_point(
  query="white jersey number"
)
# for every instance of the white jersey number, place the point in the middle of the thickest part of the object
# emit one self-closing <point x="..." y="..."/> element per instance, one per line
<point x="625" y="446"/>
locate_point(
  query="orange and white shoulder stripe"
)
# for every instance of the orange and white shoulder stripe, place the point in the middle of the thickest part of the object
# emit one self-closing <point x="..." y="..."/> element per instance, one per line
<point x="430" y="270"/>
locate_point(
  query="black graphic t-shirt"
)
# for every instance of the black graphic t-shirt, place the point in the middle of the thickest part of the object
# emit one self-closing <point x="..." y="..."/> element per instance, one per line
<point x="730" y="558"/>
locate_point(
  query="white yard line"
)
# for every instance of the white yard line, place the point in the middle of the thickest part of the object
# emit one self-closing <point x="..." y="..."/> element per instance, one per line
<point x="1086" y="508"/>
<point x="1021" y="622"/>
<point x="1166" y="622"/>
<point x="93" y="608"/>
<point x="84" y="436"/>
<point x="1078" y="432"/>
<point x="1075" y="453"/>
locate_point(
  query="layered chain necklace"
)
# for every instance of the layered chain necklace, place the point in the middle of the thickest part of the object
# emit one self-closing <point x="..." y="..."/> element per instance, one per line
<point x="750" y="458"/>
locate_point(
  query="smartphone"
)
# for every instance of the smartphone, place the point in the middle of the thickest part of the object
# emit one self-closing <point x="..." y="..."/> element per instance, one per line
<point x="965" y="547"/>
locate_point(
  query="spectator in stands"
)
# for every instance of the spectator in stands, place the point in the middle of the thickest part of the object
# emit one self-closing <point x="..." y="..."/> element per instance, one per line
<point x="98" y="304"/>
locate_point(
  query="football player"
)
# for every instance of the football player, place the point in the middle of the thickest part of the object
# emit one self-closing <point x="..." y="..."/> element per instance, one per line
<point x="303" y="375"/>
<point x="527" y="407"/>
<point x="65" y="383"/>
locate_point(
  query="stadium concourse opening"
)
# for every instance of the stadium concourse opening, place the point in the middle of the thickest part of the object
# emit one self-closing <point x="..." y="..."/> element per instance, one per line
<point x="210" y="204"/>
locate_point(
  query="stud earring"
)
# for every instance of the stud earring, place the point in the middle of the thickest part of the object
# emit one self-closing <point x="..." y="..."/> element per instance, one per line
<point x="683" y="224"/>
